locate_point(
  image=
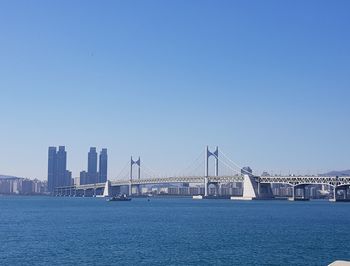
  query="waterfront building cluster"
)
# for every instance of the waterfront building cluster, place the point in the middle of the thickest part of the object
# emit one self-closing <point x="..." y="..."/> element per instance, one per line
<point x="22" y="186"/>
<point x="312" y="191"/>
<point x="92" y="176"/>
<point x="59" y="176"/>
<point x="230" y="189"/>
<point x="186" y="189"/>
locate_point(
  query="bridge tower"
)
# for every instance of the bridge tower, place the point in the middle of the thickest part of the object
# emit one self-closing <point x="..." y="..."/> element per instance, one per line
<point x="138" y="163"/>
<point x="208" y="154"/>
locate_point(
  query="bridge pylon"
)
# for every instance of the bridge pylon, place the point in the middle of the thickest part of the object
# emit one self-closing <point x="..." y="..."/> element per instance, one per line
<point x="138" y="163"/>
<point x="208" y="154"/>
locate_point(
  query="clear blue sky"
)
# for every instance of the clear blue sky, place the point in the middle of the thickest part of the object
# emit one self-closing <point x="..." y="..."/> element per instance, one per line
<point x="267" y="81"/>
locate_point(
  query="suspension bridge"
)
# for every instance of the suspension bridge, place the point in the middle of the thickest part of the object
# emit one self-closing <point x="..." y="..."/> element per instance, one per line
<point x="253" y="187"/>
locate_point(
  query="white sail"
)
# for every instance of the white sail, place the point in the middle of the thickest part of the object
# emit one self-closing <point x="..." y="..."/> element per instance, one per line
<point x="106" y="191"/>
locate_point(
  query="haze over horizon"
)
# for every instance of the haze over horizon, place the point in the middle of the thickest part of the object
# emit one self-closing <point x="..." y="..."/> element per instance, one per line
<point x="266" y="82"/>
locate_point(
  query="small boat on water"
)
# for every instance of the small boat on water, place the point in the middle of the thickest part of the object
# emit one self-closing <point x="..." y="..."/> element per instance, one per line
<point x="121" y="197"/>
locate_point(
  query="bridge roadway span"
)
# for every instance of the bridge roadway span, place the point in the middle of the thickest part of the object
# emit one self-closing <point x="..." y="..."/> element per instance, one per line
<point x="158" y="180"/>
<point x="290" y="180"/>
<point x="333" y="181"/>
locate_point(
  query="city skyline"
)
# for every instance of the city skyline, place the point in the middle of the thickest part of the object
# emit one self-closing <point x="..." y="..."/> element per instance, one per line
<point x="100" y="161"/>
<point x="267" y="82"/>
<point x="104" y="157"/>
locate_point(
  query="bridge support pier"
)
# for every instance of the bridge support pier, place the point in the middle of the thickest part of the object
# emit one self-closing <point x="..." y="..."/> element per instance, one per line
<point x="303" y="193"/>
<point x="217" y="189"/>
<point x="345" y="189"/>
<point x="206" y="187"/>
<point x="264" y="191"/>
<point x="254" y="189"/>
<point x="345" y="196"/>
<point x="130" y="188"/>
<point x="139" y="192"/>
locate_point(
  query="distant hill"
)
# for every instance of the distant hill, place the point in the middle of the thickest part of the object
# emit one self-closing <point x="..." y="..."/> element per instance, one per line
<point x="9" y="177"/>
<point x="337" y="173"/>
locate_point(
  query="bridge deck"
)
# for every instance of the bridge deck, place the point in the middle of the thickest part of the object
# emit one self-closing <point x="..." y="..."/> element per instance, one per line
<point x="306" y="180"/>
<point x="291" y="180"/>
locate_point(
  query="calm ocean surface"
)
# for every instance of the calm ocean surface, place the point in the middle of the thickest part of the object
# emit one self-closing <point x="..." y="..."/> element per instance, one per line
<point x="164" y="231"/>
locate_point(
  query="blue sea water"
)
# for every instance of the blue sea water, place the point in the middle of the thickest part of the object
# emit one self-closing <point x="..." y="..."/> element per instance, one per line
<point x="171" y="231"/>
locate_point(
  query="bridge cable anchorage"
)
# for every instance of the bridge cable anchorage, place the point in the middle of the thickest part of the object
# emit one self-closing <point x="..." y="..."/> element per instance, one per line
<point x="183" y="171"/>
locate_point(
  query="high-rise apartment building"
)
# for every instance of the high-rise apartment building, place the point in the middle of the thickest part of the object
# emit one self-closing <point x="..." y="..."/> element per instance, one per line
<point x="52" y="166"/>
<point x="91" y="176"/>
<point x="83" y="178"/>
<point x="92" y="161"/>
<point x="103" y="163"/>
<point x="62" y="167"/>
<point x="92" y="166"/>
<point x="57" y="175"/>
